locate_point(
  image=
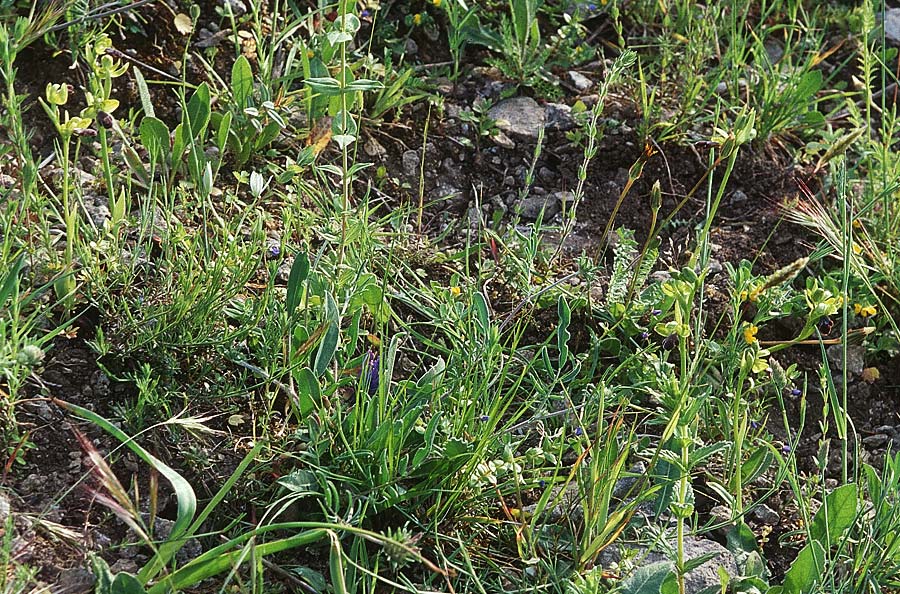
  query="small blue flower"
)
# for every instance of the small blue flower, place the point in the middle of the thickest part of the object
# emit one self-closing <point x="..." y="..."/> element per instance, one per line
<point x="274" y="251"/>
<point x="579" y="431"/>
<point x="592" y="7"/>
<point x="796" y="392"/>
<point x="645" y="335"/>
<point x="754" y="424"/>
<point x="485" y="418"/>
<point x="365" y="13"/>
<point x="369" y="374"/>
<point x="786" y="449"/>
<point x="542" y="483"/>
<point x="655" y="312"/>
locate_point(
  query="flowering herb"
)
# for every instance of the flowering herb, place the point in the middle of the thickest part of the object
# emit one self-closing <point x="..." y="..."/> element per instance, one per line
<point x="826" y="324"/>
<point x="670" y="341"/>
<point x="864" y="311"/>
<point x="369" y="374"/>
<point x="796" y="392"/>
<point x="750" y="331"/>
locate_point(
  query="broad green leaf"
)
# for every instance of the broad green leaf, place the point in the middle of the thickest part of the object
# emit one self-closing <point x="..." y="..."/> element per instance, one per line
<point x="241" y="81"/>
<point x="308" y="393"/>
<point x="198" y="110"/>
<point x="835" y="516"/>
<point x="125" y="583"/>
<point x="12" y="280"/>
<point x="155" y="138"/>
<point x="296" y="279"/>
<point x="647" y="579"/>
<point x="806" y="569"/>
<point x="327" y="348"/>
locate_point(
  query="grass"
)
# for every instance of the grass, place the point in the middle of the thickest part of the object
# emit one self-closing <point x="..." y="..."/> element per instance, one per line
<point x="468" y="408"/>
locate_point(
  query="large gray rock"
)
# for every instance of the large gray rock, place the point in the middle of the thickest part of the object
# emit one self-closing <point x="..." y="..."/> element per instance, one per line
<point x="892" y="25"/>
<point x="701" y="578"/>
<point x="551" y="204"/>
<point x="521" y="116"/>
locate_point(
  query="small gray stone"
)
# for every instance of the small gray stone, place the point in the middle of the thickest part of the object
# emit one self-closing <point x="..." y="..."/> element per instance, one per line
<point x="520" y="116"/>
<point x="660" y="276"/>
<point x="738" y="197"/>
<point x="530" y="208"/>
<point x="503" y="141"/>
<point x="715" y="267"/>
<point x="77" y="580"/>
<point x="97" y="209"/>
<point x="879" y="440"/>
<point x="373" y="148"/>
<point x="5" y="508"/>
<point x="766" y="515"/>
<point x="411" y="163"/>
<point x="581" y="82"/>
<point x="855" y="358"/>
<point x="559" y="117"/>
<point x="238" y="8"/>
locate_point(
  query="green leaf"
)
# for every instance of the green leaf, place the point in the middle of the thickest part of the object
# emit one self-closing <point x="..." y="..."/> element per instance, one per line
<point x="835" y="516"/>
<point x="198" y="110"/>
<point x="327" y="348"/>
<point x="184" y="493"/>
<point x="11" y="281"/>
<point x="806" y="569"/>
<point x="482" y="317"/>
<point x="155" y="138"/>
<point x="296" y="280"/>
<point x="562" y="331"/>
<point x="308" y="392"/>
<point x="241" y="81"/>
<point x="125" y="583"/>
<point x="324" y="85"/>
<point x="143" y="92"/>
<point x="222" y="131"/>
<point x="647" y="579"/>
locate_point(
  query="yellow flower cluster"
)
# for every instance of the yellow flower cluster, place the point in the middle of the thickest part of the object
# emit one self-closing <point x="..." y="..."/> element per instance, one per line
<point x="750" y="331"/>
<point x="865" y="311"/>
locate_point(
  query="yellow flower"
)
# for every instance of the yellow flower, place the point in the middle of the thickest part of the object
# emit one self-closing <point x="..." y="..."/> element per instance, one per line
<point x="857" y="224"/>
<point x="750" y="331"/>
<point x="856" y="249"/>
<point x="455" y="291"/>
<point x="437" y="3"/>
<point x="417" y="18"/>
<point x="864" y="311"/>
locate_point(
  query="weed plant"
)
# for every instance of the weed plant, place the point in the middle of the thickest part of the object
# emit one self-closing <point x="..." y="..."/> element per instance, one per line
<point x="485" y="413"/>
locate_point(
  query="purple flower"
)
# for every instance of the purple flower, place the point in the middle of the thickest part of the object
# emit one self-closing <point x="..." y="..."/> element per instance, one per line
<point x="365" y="13"/>
<point x="274" y="251"/>
<point x="645" y="335"/>
<point x="542" y="483"/>
<point x="369" y="373"/>
<point x="754" y="424"/>
<point x="796" y="392"/>
<point x="786" y="449"/>
<point x="579" y="431"/>
<point x="592" y="7"/>
<point x="655" y="312"/>
<point x="485" y="418"/>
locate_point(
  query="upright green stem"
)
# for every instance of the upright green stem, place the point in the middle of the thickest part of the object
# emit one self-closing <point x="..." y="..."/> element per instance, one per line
<point x="107" y="169"/>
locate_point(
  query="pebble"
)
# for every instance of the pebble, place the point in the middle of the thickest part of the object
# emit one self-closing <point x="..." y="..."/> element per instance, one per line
<point x="238" y="8"/>
<point x="411" y="163"/>
<point x="520" y="116"/>
<point x="879" y="440"/>
<point x="581" y="82"/>
<point x="766" y="515"/>
<point x="855" y="358"/>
